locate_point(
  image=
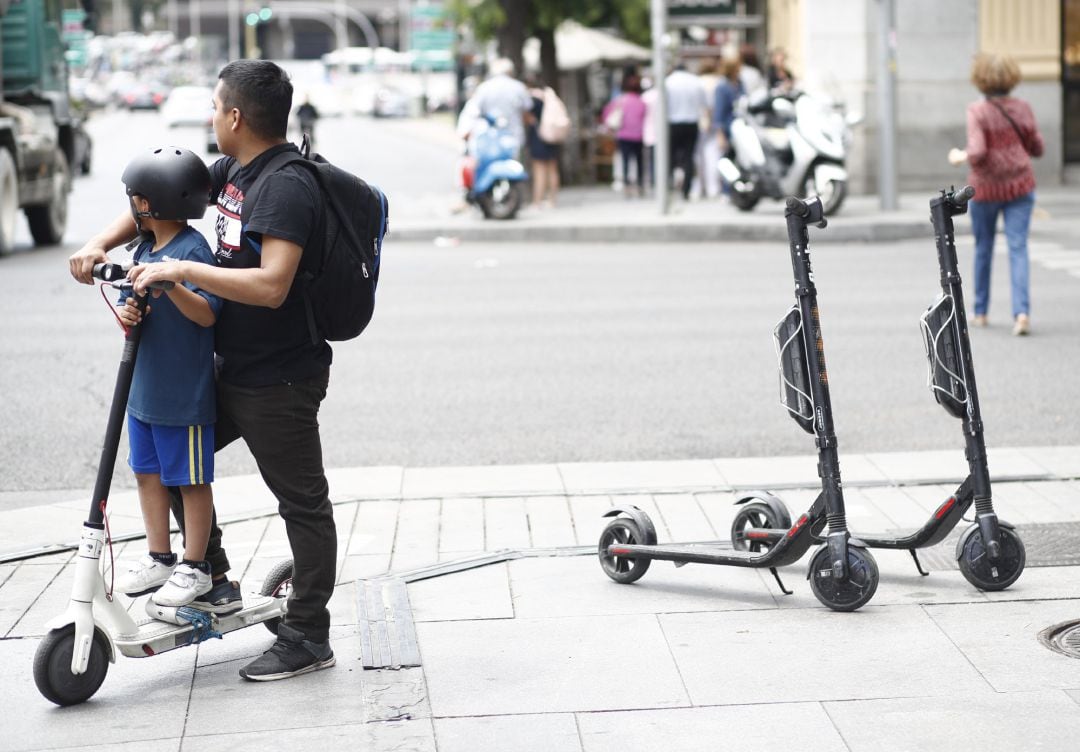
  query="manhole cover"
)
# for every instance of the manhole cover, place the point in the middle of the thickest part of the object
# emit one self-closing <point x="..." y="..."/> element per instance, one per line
<point x="1063" y="638"/>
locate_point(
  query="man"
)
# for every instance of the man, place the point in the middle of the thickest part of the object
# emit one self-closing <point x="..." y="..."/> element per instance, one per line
<point x="503" y="96"/>
<point x="272" y="376"/>
<point x="686" y="104"/>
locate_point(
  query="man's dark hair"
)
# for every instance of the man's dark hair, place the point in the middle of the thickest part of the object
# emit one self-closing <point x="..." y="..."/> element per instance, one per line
<point x="262" y="92"/>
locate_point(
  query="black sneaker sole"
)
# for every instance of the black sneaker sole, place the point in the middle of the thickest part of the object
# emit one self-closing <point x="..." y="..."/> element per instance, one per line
<point x="219" y="610"/>
<point x="316" y="666"/>
<point x="141" y="593"/>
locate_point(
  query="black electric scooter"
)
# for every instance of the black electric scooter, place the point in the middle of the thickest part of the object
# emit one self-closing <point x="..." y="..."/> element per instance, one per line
<point x="842" y="574"/>
<point x="990" y="553"/>
<point x="71" y="662"/>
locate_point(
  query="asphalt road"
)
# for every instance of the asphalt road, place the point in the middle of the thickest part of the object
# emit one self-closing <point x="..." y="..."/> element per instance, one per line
<point x="541" y="353"/>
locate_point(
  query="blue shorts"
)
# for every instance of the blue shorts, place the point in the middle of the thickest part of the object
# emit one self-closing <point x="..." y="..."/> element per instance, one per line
<point x="181" y="455"/>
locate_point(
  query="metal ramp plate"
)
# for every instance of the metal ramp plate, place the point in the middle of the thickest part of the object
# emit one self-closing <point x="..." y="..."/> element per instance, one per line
<point x="387" y="632"/>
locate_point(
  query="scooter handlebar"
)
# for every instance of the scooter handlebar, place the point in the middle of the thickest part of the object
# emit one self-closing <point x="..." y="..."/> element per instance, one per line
<point x="117" y="275"/>
<point x="963" y="195"/>
<point x="810" y="210"/>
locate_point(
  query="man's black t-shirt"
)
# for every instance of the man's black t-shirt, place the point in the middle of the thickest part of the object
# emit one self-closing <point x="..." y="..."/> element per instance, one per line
<point x="259" y="346"/>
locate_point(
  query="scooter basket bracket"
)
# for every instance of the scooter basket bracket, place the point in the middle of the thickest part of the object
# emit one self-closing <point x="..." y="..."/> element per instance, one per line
<point x="944" y="364"/>
<point x="795" y="392"/>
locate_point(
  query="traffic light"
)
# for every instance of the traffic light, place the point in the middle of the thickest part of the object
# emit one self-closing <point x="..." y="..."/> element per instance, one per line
<point x="261" y="16"/>
<point x="252" y="19"/>
<point x="265" y="13"/>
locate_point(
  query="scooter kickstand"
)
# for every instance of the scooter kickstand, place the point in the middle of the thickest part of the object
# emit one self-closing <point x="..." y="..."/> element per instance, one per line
<point x="779" y="582"/>
<point x="918" y="566"/>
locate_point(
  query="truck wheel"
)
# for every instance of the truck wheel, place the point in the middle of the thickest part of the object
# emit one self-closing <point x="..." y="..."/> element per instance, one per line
<point x="9" y="201"/>
<point x="48" y="222"/>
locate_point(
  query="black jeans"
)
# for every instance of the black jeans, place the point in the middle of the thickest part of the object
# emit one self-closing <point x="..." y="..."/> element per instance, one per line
<point x="684" y="138"/>
<point x="632" y="150"/>
<point x="280" y="425"/>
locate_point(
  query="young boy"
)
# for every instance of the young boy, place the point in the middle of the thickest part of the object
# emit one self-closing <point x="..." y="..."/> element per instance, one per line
<point x="171" y="409"/>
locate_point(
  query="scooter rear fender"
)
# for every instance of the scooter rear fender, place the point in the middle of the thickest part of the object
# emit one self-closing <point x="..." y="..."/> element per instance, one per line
<point x="770" y="500"/>
<point x="503" y="169"/>
<point x="638" y="516"/>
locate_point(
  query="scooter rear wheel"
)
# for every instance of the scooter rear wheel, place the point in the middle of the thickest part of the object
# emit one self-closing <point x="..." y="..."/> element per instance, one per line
<point x="278" y="584"/>
<point x="755" y="515"/>
<point x="52" y="667"/>
<point x="502" y="200"/>
<point x="851" y="593"/>
<point x="976" y="566"/>
<point x="622" y="569"/>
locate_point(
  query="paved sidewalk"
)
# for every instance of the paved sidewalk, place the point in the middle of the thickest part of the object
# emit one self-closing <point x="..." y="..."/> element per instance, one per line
<point x="543" y="652"/>
<point x="598" y="214"/>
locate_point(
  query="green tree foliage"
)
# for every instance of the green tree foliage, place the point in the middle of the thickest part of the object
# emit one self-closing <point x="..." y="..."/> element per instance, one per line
<point x="511" y="22"/>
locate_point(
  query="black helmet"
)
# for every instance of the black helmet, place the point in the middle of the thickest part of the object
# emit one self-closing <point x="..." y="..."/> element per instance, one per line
<point x="175" y="181"/>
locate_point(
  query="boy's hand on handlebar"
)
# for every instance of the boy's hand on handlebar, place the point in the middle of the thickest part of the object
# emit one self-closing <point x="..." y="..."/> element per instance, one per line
<point x="129" y="313"/>
<point x="144" y="275"/>
<point x="81" y="263"/>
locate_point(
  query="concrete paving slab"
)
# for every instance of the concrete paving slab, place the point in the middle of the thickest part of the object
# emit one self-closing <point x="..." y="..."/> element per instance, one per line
<point x="415" y="736"/>
<point x="140" y="700"/>
<point x="770" y="472"/>
<point x="24" y="587"/>
<point x="1061" y="461"/>
<point x="555" y="732"/>
<point x="717" y="729"/>
<point x="901" y="584"/>
<point x="817" y="654"/>
<point x="583" y="477"/>
<point x="365" y="482"/>
<point x="1042" y="583"/>
<point x="1064" y="495"/>
<point x="1016" y="503"/>
<point x="587" y="515"/>
<point x="218" y="692"/>
<point x="506" y="523"/>
<point x="1013" y="720"/>
<point x="547" y="665"/>
<point x="416" y="541"/>
<point x="500" y="480"/>
<point x="481" y="593"/>
<point x="577" y="586"/>
<point x="364" y="566"/>
<point x="944" y="466"/>
<point x="859" y="469"/>
<point x="461" y="525"/>
<point x="241" y="496"/>
<point x="373" y="528"/>
<point x="683" y="517"/>
<point x="550" y="523"/>
<point x="898" y="508"/>
<point x="1000" y="640"/>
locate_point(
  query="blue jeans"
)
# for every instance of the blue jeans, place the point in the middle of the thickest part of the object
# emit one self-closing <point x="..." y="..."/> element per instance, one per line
<point x="984" y="216"/>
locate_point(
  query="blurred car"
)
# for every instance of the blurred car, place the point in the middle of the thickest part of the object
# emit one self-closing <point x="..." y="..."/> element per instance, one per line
<point x="187" y="105"/>
<point x="211" y="139"/>
<point x="143" y="96"/>
<point x="390" y="102"/>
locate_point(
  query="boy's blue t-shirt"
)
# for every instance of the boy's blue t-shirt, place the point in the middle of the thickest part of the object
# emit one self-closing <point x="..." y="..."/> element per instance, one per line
<point x="173" y="383"/>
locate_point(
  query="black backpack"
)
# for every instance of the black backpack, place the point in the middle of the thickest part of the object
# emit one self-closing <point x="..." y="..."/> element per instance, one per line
<point x="338" y="277"/>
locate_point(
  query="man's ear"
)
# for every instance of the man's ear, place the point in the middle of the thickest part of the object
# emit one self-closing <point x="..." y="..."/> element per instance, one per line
<point x="235" y="116"/>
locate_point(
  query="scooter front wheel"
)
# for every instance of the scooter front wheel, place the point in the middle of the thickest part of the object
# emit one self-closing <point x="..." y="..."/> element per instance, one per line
<point x="52" y="667"/>
<point x="622" y="569"/>
<point x="851" y="593"/>
<point x="976" y="566"/>
<point x="278" y="584"/>
<point x="502" y="200"/>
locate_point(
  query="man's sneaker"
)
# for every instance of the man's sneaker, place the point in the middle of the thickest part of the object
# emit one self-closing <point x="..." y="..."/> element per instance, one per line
<point x="186" y="584"/>
<point x="144" y="575"/>
<point x="291" y="655"/>
<point x="222" y="599"/>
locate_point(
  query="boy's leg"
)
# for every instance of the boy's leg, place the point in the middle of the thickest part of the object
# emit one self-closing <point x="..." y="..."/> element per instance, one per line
<point x="198" y="517"/>
<point x="280" y="425"/>
<point x="154" y="502"/>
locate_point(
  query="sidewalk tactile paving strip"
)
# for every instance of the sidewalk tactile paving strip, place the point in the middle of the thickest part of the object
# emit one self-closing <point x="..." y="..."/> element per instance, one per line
<point x="1054" y="544"/>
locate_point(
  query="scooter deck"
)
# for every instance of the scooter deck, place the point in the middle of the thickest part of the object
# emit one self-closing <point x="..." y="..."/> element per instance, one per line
<point x="156" y="636"/>
<point x="708" y="553"/>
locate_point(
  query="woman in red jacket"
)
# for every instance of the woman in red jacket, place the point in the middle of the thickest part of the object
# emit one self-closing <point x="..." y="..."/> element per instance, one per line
<point x="1002" y="136"/>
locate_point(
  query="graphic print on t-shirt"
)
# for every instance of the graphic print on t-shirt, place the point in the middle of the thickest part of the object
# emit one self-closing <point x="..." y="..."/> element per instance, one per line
<point x="230" y="203"/>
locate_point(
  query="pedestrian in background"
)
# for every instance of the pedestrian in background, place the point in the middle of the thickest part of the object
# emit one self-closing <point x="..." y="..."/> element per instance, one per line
<point x="544" y="154"/>
<point x="750" y="75"/>
<point x="707" y="153"/>
<point x="649" y="95"/>
<point x="629" y="135"/>
<point x="728" y="92"/>
<point x="502" y="96"/>
<point x="1002" y="136"/>
<point x="686" y="102"/>
<point x="780" y="76"/>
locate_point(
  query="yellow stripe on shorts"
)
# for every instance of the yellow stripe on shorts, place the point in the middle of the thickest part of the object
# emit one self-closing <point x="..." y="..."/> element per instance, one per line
<point x="191" y="453"/>
<point x="200" y="457"/>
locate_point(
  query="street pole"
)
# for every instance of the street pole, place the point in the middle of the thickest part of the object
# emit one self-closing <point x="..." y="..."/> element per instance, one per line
<point x="234" y="29"/>
<point x="661" y="155"/>
<point x="887" y="180"/>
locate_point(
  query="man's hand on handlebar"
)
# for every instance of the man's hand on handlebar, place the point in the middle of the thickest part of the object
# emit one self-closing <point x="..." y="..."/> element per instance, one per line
<point x="81" y="263"/>
<point x="142" y="276"/>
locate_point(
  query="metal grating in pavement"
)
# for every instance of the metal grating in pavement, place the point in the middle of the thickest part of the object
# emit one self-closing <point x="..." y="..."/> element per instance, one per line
<point x="1048" y="544"/>
<point x="1063" y="638"/>
<point x="387" y="632"/>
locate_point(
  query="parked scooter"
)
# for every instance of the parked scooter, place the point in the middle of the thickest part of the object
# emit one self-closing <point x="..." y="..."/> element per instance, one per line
<point x="843" y="574"/>
<point x="788" y="144"/>
<point x="71" y="662"/>
<point x="990" y="553"/>
<point x="492" y="174"/>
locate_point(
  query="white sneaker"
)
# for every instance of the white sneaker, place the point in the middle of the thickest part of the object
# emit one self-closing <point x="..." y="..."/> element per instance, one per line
<point x="186" y="584"/>
<point x="143" y="576"/>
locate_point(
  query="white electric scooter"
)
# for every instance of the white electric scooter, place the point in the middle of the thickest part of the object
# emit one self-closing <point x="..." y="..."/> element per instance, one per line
<point x="788" y="145"/>
<point x="71" y="662"/>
